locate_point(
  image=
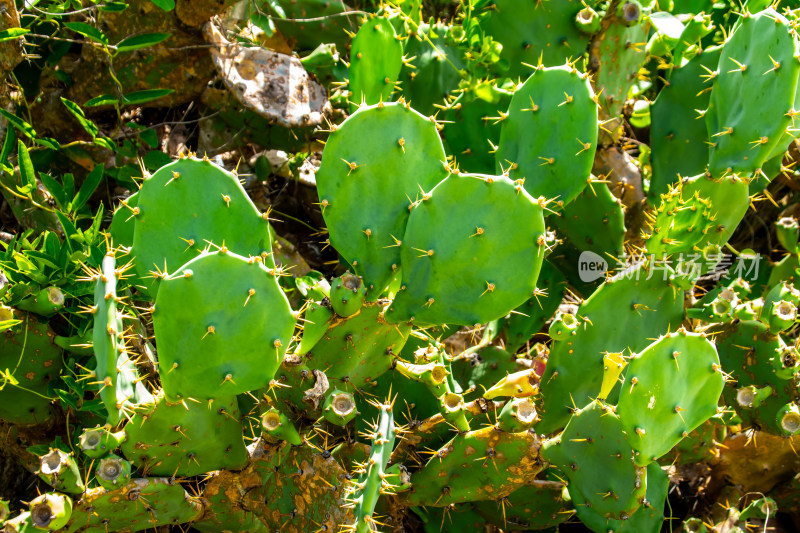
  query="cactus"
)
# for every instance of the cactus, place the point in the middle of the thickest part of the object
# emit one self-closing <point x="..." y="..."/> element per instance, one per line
<point x="376" y="58"/>
<point x="548" y="340"/>
<point x="676" y="127"/>
<point x="569" y="379"/>
<point x="116" y="370"/>
<point x="31" y="359"/>
<point x="196" y="361"/>
<point x="373" y="142"/>
<point x="759" y="55"/>
<point x="547" y="31"/>
<point x="170" y="439"/>
<point x="168" y="234"/>
<point x="472" y="232"/>
<point x="670" y="388"/>
<point x="553" y="166"/>
<point x="363" y="494"/>
<point x="595" y="454"/>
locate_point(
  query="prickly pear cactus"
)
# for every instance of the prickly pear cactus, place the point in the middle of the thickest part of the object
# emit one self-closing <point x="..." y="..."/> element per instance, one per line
<point x="501" y="290"/>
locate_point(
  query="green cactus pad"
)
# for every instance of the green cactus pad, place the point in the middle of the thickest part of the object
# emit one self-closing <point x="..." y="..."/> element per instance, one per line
<point x="555" y="164"/>
<point x="679" y="223"/>
<point x="347" y="294"/>
<point x="530" y="317"/>
<point x="376" y="58"/>
<point x="670" y="388"/>
<point x="376" y="164"/>
<point x="753" y="96"/>
<point x="166" y="439"/>
<point x="363" y="494"/>
<point x="594" y="221"/>
<point x="643" y="310"/>
<point x="472" y="125"/>
<point x="120" y="387"/>
<point x="677" y="131"/>
<point x="545" y="30"/>
<point x="597" y="459"/>
<point x="316" y="320"/>
<point x="188" y="204"/>
<point x="203" y="320"/>
<point x="28" y="353"/>
<point x="730" y="199"/>
<point x="482" y="464"/>
<point x="141" y="504"/>
<point x="431" y="72"/>
<point x="647" y="519"/>
<point x="539" y="504"/>
<point x="359" y="348"/>
<point x="481" y="255"/>
<point x="621" y="52"/>
<point x="123" y="223"/>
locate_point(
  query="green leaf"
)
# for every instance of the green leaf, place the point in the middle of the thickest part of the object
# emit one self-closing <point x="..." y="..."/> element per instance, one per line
<point x="94" y="229"/>
<point x="8" y="324"/>
<point x="18" y="123"/>
<point x="47" y="142"/>
<point x="149" y="137"/>
<point x="69" y="184"/>
<point x="166" y="5"/>
<point x="106" y="143"/>
<point x="69" y="230"/>
<point x="87" y="30"/>
<point x="93" y="406"/>
<point x="26" y="171"/>
<point x="67" y="398"/>
<point x="8" y="146"/>
<point x="114" y="7"/>
<point x="12" y="33"/>
<point x="54" y="188"/>
<point x="78" y="113"/>
<point x="43" y="259"/>
<point x="142" y="41"/>
<point x="148" y="95"/>
<point x="87" y="188"/>
<point x="103" y="99"/>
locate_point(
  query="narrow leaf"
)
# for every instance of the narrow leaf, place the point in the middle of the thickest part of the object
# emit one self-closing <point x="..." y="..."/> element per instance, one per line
<point x="69" y="230"/>
<point x="78" y="113"/>
<point x="18" y="123"/>
<point x="87" y="30"/>
<point x="54" y="188"/>
<point x="142" y="41"/>
<point x="12" y="33"/>
<point x="148" y="95"/>
<point x="103" y="99"/>
<point x="87" y="188"/>
<point x="166" y="5"/>
<point x="114" y="7"/>
<point x="106" y="143"/>
<point x="47" y="142"/>
<point x="8" y="147"/>
<point x="26" y="171"/>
